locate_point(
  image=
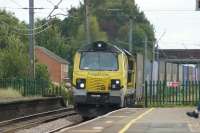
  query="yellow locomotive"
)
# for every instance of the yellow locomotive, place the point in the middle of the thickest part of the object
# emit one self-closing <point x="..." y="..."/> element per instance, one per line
<point x="104" y="74"/>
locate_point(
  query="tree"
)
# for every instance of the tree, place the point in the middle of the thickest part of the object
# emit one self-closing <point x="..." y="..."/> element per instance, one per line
<point x="13" y="47"/>
<point x="96" y="33"/>
<point x="13" y="59"/>
<point x="115" y="23"/>
<point x="52" y="38"/>
<point x="10" y="25"/>
<point x="14" y="62"/>
<point x="42" y="72"/>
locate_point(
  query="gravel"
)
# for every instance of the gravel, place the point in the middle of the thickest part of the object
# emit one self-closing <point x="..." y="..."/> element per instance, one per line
<point x="46" y="127"/>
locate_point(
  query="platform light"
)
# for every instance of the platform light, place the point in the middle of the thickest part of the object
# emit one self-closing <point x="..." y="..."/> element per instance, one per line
<point x="197" y="5"/>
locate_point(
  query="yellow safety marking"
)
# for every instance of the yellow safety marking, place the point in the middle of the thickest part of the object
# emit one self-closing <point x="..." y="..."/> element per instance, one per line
<point x="127" y="126"/>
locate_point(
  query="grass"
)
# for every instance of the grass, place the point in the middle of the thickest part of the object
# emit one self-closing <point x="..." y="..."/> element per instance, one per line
<point x="9" y="93"/>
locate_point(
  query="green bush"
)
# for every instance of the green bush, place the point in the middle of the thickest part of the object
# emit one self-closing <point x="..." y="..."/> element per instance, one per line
<point x="64" y="91"/>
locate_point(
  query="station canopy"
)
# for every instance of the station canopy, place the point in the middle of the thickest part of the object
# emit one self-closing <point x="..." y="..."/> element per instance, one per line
<point x="180" y="56"/>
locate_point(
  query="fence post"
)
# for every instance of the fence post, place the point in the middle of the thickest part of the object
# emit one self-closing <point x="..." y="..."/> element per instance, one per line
<point x="25" y="87"/>
<point x="41" y="86"/>
<point x="186" y="91"/>
<point x="60" y="92"/>
<point x="189" y="88"/>
<point x="193" y="92"/>
<point x="157" y="93"/>
<point x="195" y="82"/>
<point x="150" y="95"/>
<point x="146" y="97"/>
<point x="160" y="91"/>
<point x="199" y="90"/>
<point x="163" y="97"/>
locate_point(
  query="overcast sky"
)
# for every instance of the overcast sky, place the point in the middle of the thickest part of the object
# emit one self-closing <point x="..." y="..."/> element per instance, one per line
<point x="176" y="20"/>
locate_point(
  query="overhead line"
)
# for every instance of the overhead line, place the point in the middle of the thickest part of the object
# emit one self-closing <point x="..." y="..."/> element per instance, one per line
<point x="35" y="33"/>
<point x="62" y="9"/>
<point x="40" y="27"/>
<point x="26" y="8"/>
<point x="55" y="7"/>
<point x="16" y="3"/>
<point x="184" y="10"/>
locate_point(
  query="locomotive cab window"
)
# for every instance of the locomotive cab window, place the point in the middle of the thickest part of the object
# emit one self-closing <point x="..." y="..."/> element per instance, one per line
<point x="99" y="61"/>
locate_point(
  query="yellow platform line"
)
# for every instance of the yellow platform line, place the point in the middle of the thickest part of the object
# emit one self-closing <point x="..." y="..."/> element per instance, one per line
<point x="127" y="126"/>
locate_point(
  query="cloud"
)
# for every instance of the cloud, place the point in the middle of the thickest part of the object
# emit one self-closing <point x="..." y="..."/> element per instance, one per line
<point x="177" y="17"/>
<point x="23" y="14"/>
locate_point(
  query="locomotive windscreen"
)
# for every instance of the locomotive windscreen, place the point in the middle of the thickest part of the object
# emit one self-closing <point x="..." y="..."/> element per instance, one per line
<point x="99" y="61"/>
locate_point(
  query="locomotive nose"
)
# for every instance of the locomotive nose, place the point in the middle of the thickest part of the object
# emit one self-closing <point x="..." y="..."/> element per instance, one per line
<point x="98" y="82"/>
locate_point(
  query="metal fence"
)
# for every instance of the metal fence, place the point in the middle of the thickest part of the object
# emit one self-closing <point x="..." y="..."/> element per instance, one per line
<point x="28" y="87"/>
<point x="162" y="93"/>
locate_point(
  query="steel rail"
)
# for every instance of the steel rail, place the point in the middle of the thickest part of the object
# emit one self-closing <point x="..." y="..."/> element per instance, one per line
<point x="35" y="119"/>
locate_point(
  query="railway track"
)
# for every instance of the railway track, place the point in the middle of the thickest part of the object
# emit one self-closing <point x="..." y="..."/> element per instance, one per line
<point x="14" y="125"/>
<point x="59" y="129"/>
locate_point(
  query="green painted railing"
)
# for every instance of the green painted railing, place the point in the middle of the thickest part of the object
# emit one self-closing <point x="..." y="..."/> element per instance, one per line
<point x="28" y="87"/>
<point x="161" y="93"/>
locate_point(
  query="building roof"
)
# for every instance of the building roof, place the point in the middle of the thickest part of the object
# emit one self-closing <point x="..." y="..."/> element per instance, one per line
<point x="53" y="55"/>
<point x="180" y="55"/>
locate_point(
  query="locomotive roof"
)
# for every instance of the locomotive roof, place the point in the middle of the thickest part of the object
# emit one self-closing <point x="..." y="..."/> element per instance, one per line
<point x="101" y="46"/>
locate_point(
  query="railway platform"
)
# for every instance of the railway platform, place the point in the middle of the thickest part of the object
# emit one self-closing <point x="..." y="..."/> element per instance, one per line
<point x="20" y="107"/>
<point x="139" y="120"/>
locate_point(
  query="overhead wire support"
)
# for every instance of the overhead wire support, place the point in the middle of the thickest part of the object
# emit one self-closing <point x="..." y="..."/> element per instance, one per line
<point x="55" y="7"/>
<point x="32" y="36"/>
<point x="87" y="21"/>
<point x="130" y="34"/>
<point x="131" y="21"/>
<point x="62" y="9"/>
<point x="31" y="39"/>
<point x="145" y="58"/>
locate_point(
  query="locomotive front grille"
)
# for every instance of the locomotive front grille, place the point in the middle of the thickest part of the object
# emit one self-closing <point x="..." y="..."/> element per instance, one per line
<point x="97" y="84"/>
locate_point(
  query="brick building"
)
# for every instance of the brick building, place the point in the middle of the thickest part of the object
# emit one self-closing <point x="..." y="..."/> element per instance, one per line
<point x="57" y="66"/>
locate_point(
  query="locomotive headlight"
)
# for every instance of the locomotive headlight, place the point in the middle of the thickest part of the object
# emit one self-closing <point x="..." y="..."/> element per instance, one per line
<point x="115" y="84"/>
<point x="99" y="45"/>
<point x="80" y="83"/>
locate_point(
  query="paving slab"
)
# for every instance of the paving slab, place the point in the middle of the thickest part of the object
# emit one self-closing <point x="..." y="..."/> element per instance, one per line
<point x="138" y="120"/>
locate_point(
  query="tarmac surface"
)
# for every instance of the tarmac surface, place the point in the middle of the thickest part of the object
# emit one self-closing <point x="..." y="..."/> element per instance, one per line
<point x="132" y="120"/>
